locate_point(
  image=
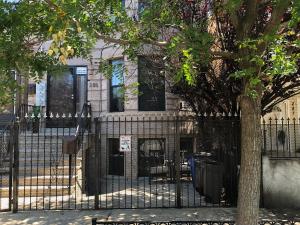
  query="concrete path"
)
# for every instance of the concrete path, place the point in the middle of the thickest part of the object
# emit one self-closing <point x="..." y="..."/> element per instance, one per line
<point x="84" y="217"/>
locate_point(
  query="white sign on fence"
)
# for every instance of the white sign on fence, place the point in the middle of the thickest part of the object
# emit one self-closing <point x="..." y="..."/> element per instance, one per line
<point x="125" y="143"/>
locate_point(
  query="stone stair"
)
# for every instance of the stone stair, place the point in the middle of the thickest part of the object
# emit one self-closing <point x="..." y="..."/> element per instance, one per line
<point x="44" y="170"/>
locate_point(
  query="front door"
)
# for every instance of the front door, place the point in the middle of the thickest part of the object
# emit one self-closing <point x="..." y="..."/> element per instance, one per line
<point x="61" y="98"/>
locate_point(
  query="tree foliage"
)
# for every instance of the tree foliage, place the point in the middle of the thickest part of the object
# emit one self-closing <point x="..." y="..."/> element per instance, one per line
<point x="215" y="54"/>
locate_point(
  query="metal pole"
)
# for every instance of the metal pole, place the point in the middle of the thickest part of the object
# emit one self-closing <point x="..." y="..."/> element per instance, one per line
<point x="97" y="153"/>
<point x="177" y="164"/>
<point x="16" y="166"/>
<point x="11" y="155"/>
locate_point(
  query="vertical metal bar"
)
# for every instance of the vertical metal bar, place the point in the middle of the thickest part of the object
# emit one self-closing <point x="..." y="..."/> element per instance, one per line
<point x="107" y="161"/>
<point x="270" y="137"/>
<point x="131" y="161"/>
<point x="50" y="169"/>
<point x="25" y="159"/>
<point x="177" y="164"/>
<point x="295" y="136"/>
<point x="157" y="159"/>
<point x="137" y="168"/>
<point x="44" y="168"/>
<point x="97" y="154"/>
<point x="16" y="167"/>
<point x="31" y="166"/>
<point x="288" y="136"/>
<point x="62" y="184"/>
<point x="125" y="153"/>
<point x="56" y="164"/>
<point x="119" y="178"/>
<point x="37" y="161"/>
<point x="150" y="165"/>
<point x="70" y="174"/>
<point x="11" y="157"/>
<point x="112" y="175"/>
<point x="170" y="162"/>
<point x="143" y="139"/>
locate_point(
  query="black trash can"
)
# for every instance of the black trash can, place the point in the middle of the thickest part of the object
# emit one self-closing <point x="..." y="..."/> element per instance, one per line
<point x="199" y="175"/>
<point x="213" y="181"/>
<point x="200" y="162"/>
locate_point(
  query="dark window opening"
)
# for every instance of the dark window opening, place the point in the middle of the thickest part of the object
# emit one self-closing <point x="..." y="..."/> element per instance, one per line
<point x="116" y="86"/>
<point x="186" y="148"/>
<point x="151" y="85"/>
<point x="116" y="158"/>
<point x="142" y="6"/>
<point x="151" y="153"/>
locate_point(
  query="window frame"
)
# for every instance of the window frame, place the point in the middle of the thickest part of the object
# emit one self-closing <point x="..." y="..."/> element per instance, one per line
<point x="118" y="86"/>
<point x="161" y="107"/>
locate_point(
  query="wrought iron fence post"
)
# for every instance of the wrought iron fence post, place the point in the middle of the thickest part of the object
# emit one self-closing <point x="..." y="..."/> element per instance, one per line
<point x="96" y="153"/>
<point x="177" y="164"/>
<point x="11" y="157"/>
<point x="15" y="165"/>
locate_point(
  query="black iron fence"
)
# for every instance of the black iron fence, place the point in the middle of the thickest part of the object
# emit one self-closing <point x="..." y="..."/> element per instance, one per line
<point x="170" y="162"/>
<point x="274" y="222"/>
<point x="281" y="137"/>
<point x="6" y="166"/>
<point x="127" y="161"/>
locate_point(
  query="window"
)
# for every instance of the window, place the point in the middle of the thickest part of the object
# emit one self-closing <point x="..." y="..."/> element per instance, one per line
<point x="116" y="158"/>
<point x="186" y="148"/>
<point x="151" y="153"/>
<point x="142" y="5"/>
<point x="116" y="86"/>
<point x="151" y="85"/>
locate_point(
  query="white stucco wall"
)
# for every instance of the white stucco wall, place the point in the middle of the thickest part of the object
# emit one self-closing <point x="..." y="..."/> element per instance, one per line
<point x="281" y="183"/>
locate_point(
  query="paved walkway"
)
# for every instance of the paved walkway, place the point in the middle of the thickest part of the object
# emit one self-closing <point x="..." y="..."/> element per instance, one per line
<point x="84" y="217"/>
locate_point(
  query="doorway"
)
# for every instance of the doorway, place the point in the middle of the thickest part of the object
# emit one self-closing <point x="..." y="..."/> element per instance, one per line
<point x="66" y="94"/>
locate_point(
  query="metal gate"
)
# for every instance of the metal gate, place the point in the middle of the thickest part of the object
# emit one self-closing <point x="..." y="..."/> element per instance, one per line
<point x="156" y="162"/>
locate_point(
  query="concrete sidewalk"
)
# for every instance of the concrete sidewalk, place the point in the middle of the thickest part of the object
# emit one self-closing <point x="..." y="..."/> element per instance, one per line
<point x="74" y="217"/>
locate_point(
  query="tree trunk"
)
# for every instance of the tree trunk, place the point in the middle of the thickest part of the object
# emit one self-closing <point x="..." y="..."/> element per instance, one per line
<point x="250" y="171"/>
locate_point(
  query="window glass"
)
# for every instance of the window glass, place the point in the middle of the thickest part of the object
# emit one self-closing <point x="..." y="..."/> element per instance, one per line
<point x="151" y="85"/>
<point x="116" y="86"/>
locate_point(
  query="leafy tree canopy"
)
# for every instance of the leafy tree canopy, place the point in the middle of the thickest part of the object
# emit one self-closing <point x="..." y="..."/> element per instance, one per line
<point x="246" y="44"/>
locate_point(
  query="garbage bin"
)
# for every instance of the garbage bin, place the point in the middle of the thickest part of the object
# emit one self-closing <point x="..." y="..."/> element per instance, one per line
<point x="199" y="175"/>
<point x="199" y="170"/>
<point x="213" y="181"/>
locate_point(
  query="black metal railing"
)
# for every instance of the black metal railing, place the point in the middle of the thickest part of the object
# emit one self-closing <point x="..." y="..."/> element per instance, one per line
<point x="131" y="161"/>
<point x="6" y="164"/>
<point x="208" y="222"/>
<point x="281" y="138"/>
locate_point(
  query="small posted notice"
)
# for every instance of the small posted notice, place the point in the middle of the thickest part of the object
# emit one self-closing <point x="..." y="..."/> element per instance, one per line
<point x="125" y="143"/>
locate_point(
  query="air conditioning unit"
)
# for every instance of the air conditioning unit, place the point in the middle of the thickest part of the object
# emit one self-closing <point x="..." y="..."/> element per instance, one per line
<point x="184" y="106"/>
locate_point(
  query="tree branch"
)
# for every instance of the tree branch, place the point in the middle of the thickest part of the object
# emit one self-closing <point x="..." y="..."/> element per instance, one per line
<point x="277" y="13"/>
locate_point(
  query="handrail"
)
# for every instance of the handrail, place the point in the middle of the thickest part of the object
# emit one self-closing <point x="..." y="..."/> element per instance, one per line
<point x="83" y="122"/>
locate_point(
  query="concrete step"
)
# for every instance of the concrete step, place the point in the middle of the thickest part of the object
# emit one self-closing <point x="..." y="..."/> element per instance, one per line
<point x="53" y="161"/>
<point x="54" y="171"/>
<point x="37" y="191"/>
<point x="40" y="181"/>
